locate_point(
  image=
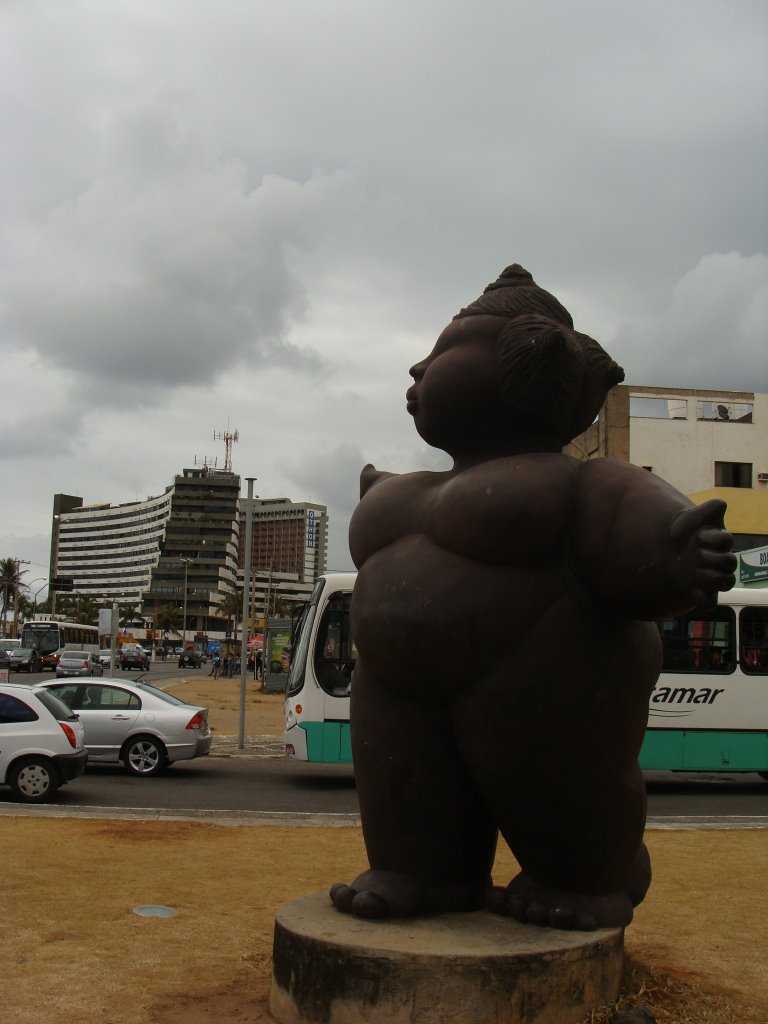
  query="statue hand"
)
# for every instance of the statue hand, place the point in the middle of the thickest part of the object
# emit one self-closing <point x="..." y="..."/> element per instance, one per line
<point x="703" y="562"/>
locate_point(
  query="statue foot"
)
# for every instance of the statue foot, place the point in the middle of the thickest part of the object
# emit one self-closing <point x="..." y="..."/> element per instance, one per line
<point x="378" y="894"/>
<point x="381" y="894"/>
<point x="532" y="903"/>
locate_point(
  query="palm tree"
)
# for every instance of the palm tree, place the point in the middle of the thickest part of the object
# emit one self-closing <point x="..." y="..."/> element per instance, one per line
<point x="24" y="607"/>
<point x="168" y="618"/>
<point x="283" y="607"/>
<point x="128" y="614"/>
<point x="231" y="607"/>
<point x="80" y="608"/>
<point x="10" y="580"/>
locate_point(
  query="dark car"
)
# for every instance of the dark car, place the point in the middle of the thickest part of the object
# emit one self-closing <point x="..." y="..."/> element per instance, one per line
<point x="134" y="660"/>
<point x="189" y="659"/>
<point x="26" y="659"/>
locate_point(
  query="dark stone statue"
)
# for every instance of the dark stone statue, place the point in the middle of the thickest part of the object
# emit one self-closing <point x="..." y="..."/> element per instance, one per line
<point x="503" y="615"/>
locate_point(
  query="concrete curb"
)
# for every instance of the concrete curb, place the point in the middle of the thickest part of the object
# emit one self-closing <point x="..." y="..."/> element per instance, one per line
<point x="307" y="819"/>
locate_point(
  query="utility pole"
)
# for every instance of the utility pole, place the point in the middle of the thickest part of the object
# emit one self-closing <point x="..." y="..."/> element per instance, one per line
<point x="246" y="596"/>
<point x="17" y="575"/>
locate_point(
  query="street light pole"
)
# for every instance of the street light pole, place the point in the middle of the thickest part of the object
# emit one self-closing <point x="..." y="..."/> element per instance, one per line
<point x="186" y="562"/>
<point x="246" y="595"/>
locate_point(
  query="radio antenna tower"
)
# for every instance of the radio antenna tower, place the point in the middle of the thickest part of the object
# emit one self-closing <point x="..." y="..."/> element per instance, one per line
<point x="227" y="438"/>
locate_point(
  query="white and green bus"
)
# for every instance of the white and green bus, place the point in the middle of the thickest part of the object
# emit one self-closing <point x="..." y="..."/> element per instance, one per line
<point x="708" y="710"/>
<point x="323" y="656"/>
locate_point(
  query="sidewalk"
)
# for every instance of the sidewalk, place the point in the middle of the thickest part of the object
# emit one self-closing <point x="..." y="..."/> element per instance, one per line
<point x="261" y="745"/>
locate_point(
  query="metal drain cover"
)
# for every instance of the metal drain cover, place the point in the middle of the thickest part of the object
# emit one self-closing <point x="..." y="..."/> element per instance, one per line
<point x="150" y="910"/>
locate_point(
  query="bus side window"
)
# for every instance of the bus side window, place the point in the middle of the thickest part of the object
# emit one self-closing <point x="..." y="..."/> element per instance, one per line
<point x="753" y="623"/>
<point x="700" y="641"/>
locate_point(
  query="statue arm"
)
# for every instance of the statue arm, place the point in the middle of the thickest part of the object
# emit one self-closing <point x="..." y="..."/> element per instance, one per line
<point x="642" y="547"/>
<point x="371" y="476"/>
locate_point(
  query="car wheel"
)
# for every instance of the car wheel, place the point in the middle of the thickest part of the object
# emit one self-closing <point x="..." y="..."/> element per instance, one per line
<point x="33" y="779"/>
<point x="145" y="756"/>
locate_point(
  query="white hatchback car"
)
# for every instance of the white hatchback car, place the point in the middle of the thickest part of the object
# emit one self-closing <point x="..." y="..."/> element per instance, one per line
<point x="41" y="743"/>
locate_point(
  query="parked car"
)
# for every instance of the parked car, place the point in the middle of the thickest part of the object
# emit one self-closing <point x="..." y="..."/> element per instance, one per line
<point x="189" y="659"/>
<point x="41" y="743"/>
<point x="136" y="723"/>
<point x="78" y="663"/>
<point x="105" y="657"/>
<point x="134" y="659"/>
<point x="26" y="659"/>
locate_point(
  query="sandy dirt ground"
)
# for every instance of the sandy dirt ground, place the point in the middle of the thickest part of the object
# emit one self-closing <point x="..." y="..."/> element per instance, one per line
<point x="75" y="950"/>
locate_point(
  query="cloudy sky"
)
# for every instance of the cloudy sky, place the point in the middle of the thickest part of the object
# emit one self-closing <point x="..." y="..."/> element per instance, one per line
<point x="255" y="215"/>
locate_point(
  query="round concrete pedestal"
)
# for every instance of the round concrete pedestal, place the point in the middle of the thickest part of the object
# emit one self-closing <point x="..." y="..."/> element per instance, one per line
<point x="479" y="968"/>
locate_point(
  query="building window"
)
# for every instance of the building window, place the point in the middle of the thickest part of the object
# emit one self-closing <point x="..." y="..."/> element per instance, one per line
<point x="733" y="474"/>
<point x="725" y="412"/>
<point x="658" y="408"/>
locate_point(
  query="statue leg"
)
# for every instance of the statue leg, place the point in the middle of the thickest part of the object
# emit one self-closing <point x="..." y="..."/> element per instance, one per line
<point x="569" y="803"/>
<point x="429" y="837"/>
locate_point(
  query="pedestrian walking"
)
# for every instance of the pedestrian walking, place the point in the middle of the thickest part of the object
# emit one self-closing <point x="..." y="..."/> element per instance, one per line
<point x="215" y="666"/>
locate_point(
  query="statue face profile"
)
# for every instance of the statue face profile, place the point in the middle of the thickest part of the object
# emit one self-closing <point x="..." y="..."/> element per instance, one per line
<point x="456" y="397"/>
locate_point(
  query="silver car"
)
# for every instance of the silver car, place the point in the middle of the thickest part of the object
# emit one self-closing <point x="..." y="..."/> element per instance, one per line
<point x="133" y="722"/>
<point x="78" y="663"/>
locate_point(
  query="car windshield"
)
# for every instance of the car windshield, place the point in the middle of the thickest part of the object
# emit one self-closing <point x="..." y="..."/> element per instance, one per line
<point x="167" y="697"/>
<point x="21" y="652"/>
<point x="57" y="707"/>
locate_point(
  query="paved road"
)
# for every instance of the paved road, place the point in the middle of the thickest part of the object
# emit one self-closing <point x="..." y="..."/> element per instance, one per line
<point x="221" y="786"/>
<point x="228" y="786"/>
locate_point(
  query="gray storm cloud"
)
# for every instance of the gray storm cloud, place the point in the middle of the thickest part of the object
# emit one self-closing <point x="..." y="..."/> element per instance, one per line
<point x="710" y="333"/>
<point x="168" y="268"/>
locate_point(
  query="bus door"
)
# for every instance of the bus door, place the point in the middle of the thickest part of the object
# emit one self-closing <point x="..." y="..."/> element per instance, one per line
<point x="334" y="659"/>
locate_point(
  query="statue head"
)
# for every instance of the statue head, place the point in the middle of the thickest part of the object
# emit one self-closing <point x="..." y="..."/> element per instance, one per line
<point x="551" y="374"/>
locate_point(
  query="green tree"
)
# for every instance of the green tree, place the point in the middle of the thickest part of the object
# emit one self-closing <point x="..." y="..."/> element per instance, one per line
<point x="283" y="607"/>
<point x="167" y="618"/>
<point x="231" y="607"/>
<point x="79" y="608"/>
<point x="10" y="581"/>
<point x="24" y="607"/>
<point x="129" y="614"/>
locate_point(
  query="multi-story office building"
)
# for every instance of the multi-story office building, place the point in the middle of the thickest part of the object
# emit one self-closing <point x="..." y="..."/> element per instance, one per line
<point x="197" y="563"/>
<point x="109" y="551"/>
<point x="177" y="549"/>
<point x="185" y="549"/>
<point x="289" y="549"/>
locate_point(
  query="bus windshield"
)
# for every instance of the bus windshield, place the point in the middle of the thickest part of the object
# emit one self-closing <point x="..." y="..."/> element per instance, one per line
<point x="300" y="643"/>
<point x="42" y="635"/>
